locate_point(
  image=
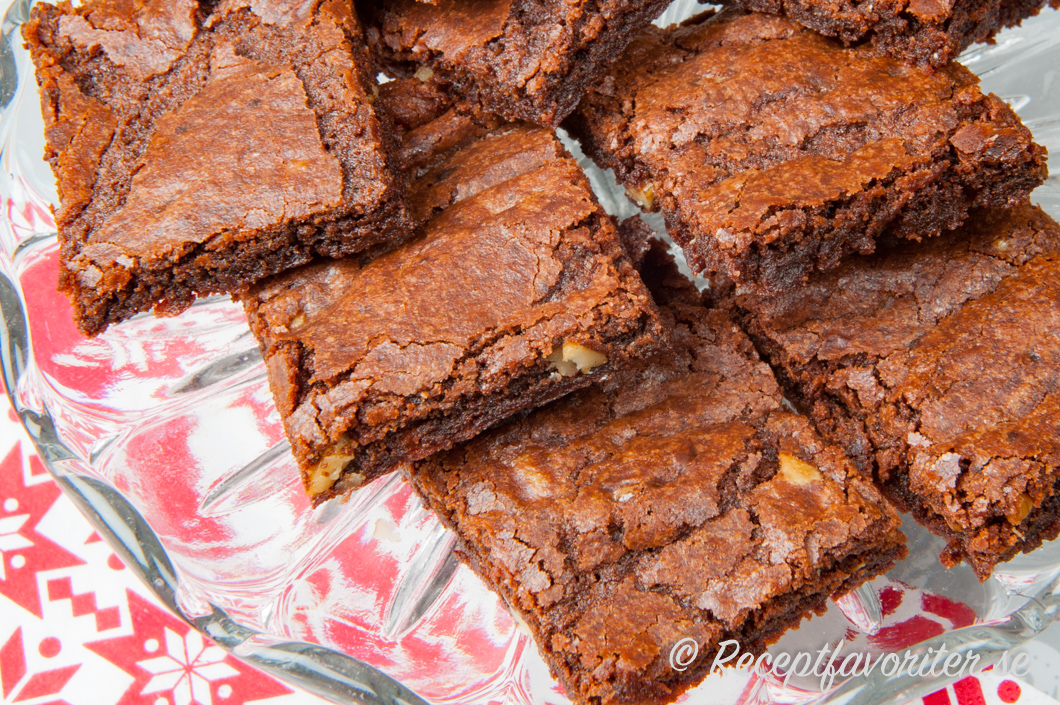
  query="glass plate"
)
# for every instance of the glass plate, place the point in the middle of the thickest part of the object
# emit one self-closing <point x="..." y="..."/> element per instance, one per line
<point x="164" y="433"/>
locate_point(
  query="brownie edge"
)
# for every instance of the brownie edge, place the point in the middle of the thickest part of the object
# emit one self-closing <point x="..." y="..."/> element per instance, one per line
<point x="924" y="33"/>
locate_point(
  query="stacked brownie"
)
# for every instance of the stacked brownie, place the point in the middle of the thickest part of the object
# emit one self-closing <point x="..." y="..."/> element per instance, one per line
<point x="682" y="501"/>
<point x="774" y="152"/>
<point x="938" y="369"/>
<point x="197" y="152"/>
<point x="515" y="291"/>
<point x="436" y="289"/>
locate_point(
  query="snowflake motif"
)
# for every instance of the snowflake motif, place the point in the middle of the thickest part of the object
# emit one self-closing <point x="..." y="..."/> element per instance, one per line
<point x="187" y="669"/>
<point x="10" y="539"/>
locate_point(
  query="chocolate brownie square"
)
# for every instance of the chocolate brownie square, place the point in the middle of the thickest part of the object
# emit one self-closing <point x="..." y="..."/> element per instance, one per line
<point x="679" y="502"/>
<point x="937" y="367"/>
<point x="924" y="32"/>
<point x="774" y="151"/>
<point x="197" y="152"/>
<point x="516" y="291"/>
<point x="523" y="59"/>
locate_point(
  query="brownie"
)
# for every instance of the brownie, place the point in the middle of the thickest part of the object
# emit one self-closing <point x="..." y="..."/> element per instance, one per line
<point x="515" y="291"/>
<point x="197" y="152"/>
<point x="522" y="59"/>
<point x="923" y="32"/>
<point x="937" y="368"/>
<point x="681" y="501"/>
<point x="431" y="122"/>
<point x="774" y="152"/>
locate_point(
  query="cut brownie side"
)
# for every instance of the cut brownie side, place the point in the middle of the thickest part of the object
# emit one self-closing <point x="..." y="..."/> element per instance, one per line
<point x="774" y="151"/>
<point x="938" y="368"/>
<point x="678" y="502"/>
<point x="431" y="122"/>
<point x="919" y="32"/>
<point x="523" y="59"/>
<point x="515" y="292"/>
<point x="198" y="153"/>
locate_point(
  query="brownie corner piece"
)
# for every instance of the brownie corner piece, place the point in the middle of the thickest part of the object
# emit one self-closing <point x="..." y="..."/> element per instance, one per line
<point x="936" y="367"/>
<point x="774" y="152"/>
<point x="197" y="153"/>
<point x="922" y="33"/>
<point x="680" y="502"/>
<point x="514" y="292"/>
<point x="522" y="59"/>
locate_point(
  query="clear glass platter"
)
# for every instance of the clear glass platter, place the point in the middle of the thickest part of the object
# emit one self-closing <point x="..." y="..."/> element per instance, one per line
<point x="163" y="431"/>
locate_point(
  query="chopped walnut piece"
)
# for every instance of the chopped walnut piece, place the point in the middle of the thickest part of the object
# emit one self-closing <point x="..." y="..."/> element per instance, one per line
<point x="1025" y="507"/>
<point x="643" y="196"/>
<point x="797" y="471"/>
<point x="571" y="358"/>
<point x="327" y="471"/>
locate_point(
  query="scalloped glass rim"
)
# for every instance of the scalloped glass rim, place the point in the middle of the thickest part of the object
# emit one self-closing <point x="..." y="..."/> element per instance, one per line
<point x="263" y="597"/>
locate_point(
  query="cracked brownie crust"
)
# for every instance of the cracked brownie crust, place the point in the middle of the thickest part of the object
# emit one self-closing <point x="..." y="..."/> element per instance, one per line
<point x="523" y="59"/>
<point x="678" y="501"/>
<point x="924" y="32"/>
<point x="938" y="369"/>
<point x="515" y="292"/>
<point x="774" y="152"/>
<point x="200" y="147"/>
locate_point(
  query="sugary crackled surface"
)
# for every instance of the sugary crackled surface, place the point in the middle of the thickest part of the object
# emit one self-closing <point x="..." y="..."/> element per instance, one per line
<point x="175" y="137"/>
<point x="517" y="260"/>
<point x="525" y="59"/>
<point x="926" y="32"/>
<point x="755" y="135"/>
<point x="681" y="501"/>
<point x="939" y="365"/>
<point x="269" y="166"/>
